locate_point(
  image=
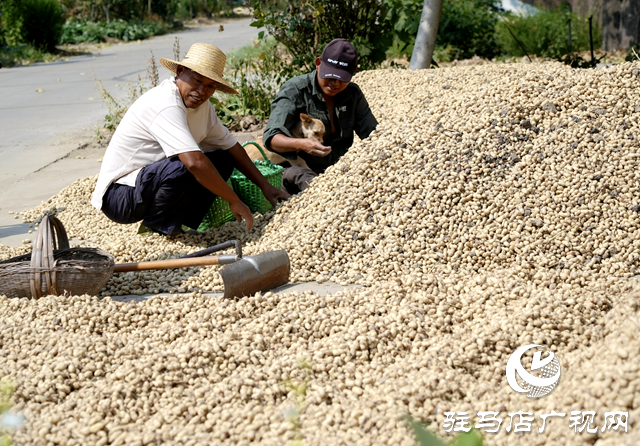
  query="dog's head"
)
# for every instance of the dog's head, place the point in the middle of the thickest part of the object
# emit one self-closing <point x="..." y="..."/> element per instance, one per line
<point x="312" y="128"/>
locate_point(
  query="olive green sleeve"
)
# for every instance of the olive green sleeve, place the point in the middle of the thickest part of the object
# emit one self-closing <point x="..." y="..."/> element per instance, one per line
<point x="282" y="118"/>
<point x="365" y="122"/>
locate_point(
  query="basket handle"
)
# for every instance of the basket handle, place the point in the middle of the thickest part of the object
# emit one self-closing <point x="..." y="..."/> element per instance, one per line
<point x="259" y="148"/>
<point x="51" y="235"/>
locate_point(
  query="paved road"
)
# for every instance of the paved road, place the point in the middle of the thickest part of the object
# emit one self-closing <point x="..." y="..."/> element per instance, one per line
<point x="34" y="125"/>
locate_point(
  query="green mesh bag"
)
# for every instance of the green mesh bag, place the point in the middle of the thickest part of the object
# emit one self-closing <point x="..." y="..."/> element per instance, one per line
<point x="249" y="193"/>
<point x="218" y="214"/>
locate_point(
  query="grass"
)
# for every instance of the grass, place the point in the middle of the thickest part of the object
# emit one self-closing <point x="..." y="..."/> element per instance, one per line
<point x="546" y="34"/>
<point x="250" y="52"/>
<point x="11" y="56"/>
<point x="78" y="31"/>
<point x="426" y="438"/>
<point x="6" y="392"/>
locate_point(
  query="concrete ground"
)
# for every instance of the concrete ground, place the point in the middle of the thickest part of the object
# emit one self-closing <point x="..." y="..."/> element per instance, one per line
<point x="321" y="289"/>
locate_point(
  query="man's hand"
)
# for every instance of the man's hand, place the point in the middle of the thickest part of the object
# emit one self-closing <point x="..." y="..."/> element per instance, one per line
<point x="284" y="144"/>
<point x="205" y="172"/>
<point x="313" y="147"/>
<point x="241" y="210"/>
<point x="273" y="194"/>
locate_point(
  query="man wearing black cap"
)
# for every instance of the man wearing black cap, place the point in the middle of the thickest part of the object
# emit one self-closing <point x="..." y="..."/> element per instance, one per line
<point x="327" y="94"/>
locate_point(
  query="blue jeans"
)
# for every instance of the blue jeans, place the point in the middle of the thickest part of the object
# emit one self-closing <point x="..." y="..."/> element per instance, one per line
<point x="166" y="195"/>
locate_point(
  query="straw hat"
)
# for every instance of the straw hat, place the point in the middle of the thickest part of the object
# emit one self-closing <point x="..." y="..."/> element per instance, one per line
<point x="204" y="59"/>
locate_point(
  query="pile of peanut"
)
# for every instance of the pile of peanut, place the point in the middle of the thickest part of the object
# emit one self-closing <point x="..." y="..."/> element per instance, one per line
<point x="495" y="206"/>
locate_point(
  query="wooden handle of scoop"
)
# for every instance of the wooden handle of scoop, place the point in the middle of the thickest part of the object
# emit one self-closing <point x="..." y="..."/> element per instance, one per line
<point x="175" y="263"/>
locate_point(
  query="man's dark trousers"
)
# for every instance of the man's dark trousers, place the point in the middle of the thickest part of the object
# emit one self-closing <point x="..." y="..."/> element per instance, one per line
<point x="296" y="179"/>
<point x="166" y="195"/>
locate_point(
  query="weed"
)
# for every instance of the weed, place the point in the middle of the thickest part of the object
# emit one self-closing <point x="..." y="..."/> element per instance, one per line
<point x="6" y="392"/>
<point x="633" y="54"/>
<point x="426" y="438"/>
<point x="546" y="34"/>
<point x="152" y="71"/>
<point x="118" y="107"/>
<point x="176" y="48"/>
<point x="299" y="389"/>
<point x="24" y="54"/>
<point x="78" y="31"/>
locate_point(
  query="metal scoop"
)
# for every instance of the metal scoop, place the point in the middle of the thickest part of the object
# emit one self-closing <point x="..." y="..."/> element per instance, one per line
<point x="243" y="276"/>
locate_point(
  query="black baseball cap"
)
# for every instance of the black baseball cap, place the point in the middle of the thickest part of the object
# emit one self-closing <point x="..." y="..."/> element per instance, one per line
<point x="339" y="60"/>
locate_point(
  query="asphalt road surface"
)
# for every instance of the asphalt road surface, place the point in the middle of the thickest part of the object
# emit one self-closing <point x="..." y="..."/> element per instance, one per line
<point x="42" y="105"/>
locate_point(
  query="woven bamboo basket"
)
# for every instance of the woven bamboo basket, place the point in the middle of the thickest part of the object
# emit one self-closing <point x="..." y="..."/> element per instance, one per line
<point x="55" y="268"/>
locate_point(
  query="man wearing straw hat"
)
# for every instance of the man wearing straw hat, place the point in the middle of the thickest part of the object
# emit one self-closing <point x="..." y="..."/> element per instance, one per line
<point x="170" y="156"/>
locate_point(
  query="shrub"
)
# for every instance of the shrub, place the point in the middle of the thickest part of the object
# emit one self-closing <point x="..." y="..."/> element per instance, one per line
<point x="77" y="31"/>
<point x="23" y="55"/>
<point x="34" y="22"/>
<point x="187" y="9"/>
<point x="108" y="10"/>
<point x="305" y="27"/>
<point x="467" y="28"/>
<point x="257" y="72"/>
<point x="546" y="33"/>
<point x="3" y="41"/>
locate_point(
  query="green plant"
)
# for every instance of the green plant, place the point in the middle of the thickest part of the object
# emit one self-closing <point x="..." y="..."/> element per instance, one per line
<point x="304" y="27"/>
<point x="34" y="22"/>
<point x="426" y="438"/>
<point x="118" y="107"/>
<point x="77" y="31"/>
<point x="467" y="28"/>
<point x="546" y="34"/>
<point x="23" y="55"/>
<point x="188" y="9"/>
<point x="6" y="392"/>
<point x="299" y="389"/>
<point x="632" y="55"/>
<point x="108" y="10"/>
<point x="257" y="73"/>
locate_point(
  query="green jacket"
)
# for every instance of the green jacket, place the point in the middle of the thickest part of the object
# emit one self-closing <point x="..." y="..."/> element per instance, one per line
<point x="302" y="95"/>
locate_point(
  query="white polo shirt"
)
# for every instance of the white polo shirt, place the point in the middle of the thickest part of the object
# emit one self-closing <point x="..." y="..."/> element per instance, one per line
<point x="158" y="126"/>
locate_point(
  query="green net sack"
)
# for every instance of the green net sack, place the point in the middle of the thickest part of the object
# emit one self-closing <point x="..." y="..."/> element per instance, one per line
<point x="249" y="193"/>
<point x="219" y="213"/>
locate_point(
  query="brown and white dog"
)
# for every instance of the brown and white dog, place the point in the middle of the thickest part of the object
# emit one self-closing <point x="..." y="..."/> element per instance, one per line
<point x="307" y="127"/>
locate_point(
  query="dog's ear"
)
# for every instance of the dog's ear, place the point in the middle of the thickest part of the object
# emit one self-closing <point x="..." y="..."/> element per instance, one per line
<point x="306" y="118"/>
